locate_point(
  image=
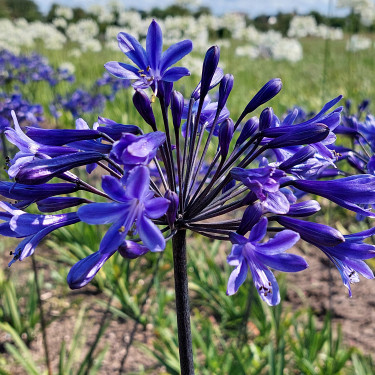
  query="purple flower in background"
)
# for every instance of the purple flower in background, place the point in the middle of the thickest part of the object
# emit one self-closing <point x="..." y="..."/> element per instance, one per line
<point x="152" y="64"/>
<point x="250" y="255"/>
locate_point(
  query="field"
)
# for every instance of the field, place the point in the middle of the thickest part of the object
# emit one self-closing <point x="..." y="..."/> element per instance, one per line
<point x="125" y="322"/>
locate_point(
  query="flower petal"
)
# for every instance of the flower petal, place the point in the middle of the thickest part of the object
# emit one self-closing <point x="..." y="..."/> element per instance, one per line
<point x="283" y="262"/>
<point x="259" y="230"/>
<point x="85" y="270"/>
<point x="175" y="73"/>
<point x="278" y="244"/>
<point x="154" y="45"/>
<point x="150" y="234"/>
<point x="113" y="187"/>
<point x="121" y="70"/>
<point x="156" y="207"/>
<point x="133" y="50"/>
<point x="175" y="53"/>
<point x="102" y="213"/>
<point x="137" y="183"/>
<point x="237" y="278"/>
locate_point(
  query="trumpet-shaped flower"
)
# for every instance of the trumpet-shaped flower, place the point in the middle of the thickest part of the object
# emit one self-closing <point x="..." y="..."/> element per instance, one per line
<point x="250" y="254"/>
<point x="152" y="64"/>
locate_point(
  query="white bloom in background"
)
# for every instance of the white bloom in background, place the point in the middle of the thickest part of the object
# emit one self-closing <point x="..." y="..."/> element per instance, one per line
<point x="75" y="52"/>
<point x="60" y="22"/>
<point x="302" y="26"/>
<point x="104" y="14"/>
<point x="68" y="67"/>
<point x="287" y="49"/>
<point x="92" y="45"/>
<point x="64" y="12"/>
<point x="251" y="52"/>
<point x="358" y="43"/>
<point x="365" y="8"/>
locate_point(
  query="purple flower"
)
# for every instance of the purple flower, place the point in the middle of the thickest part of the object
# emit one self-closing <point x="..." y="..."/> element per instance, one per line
<point x="34" y="228"/>
<point x="349" y="192"/>
<point x="249" y="254"/>
<point x="152" y="65"/>
<point x="133" y="150"/>
<point x="348" y="257"/>
<point x="264" y="183"/>
<point x="134" y="205"/>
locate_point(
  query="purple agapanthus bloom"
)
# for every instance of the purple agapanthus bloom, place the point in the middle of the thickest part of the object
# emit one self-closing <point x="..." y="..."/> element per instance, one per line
<point x="264" y="182"/>
<point x="348" y="257"/>
<point x="250" y="254"/>
<point x="152" y="64"/>
<point x="33" y="228"/>
<point x="134" y="205"/>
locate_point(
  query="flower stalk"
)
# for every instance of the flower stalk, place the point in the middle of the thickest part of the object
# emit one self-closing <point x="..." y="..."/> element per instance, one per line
<point x="182" y="303"/>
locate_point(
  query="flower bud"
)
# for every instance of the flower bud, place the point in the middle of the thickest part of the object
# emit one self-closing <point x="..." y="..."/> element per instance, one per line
<point x="177" y="108"/>
<point x="251" y="216"/>
<point x="249" y="128"/>
<point x="211" y="60"/>
<point x="225" y="88"/>
<point x="266" y="93"/>
<point x="317" y="234"/>
<point x="265" y="118"/>
<point x="225" y="136"/>
<point x="142" y="103"/>
<point x="172" y="208"/>
<point x="132" y="250"/>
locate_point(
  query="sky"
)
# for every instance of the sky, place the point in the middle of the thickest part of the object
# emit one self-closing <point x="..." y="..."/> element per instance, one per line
<point x="251" y="7"/>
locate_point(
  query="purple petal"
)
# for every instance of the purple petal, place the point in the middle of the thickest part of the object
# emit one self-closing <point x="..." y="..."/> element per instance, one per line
<point x="276" y="203"/>
<point x="133" y="50"/>
<point x="114" y="237"/>
<point x="150" y="234"/>
<point x="121" y="70"/>
<point x="175" y="53"/>
<point x="283" y="262"/>
<point x="278" y="244"/>
<point x="259" y="230"/>
<point x="154" y="45"/>
<point x="237" y="278"/>
<point x="85" y="270"/>
<point x="137" y="183"/>
<point x="102" y="213"/>
<point x="156" y="207"/>
<point x="113" y="187"/>
<point x="175" y="73"/>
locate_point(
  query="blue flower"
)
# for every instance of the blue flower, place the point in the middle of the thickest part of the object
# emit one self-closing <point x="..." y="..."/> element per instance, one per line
<point x="135" y="206"/>
<point x="152" y="65"/>
<point x="249" y="254"/>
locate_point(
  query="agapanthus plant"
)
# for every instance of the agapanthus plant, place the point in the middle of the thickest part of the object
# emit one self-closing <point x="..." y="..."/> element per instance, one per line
<point x="243" y="181"/>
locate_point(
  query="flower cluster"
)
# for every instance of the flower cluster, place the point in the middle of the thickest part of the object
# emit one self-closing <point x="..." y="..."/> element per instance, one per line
<point x="242" y="181"/>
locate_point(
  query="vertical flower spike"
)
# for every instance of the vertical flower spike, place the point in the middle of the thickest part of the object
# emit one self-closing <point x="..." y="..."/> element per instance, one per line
<point x="265" y="119"/>
<point x="225" y="88"/>
<point x="211" y="60"/>
<point x="225" y="136"/>
<point x="143" y="105"/>
<point x="266" y="93"/>
<point x="177" y="108"/>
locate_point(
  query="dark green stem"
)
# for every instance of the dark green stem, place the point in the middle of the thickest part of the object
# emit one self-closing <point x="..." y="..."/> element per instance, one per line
<point x="182" y="303"/>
